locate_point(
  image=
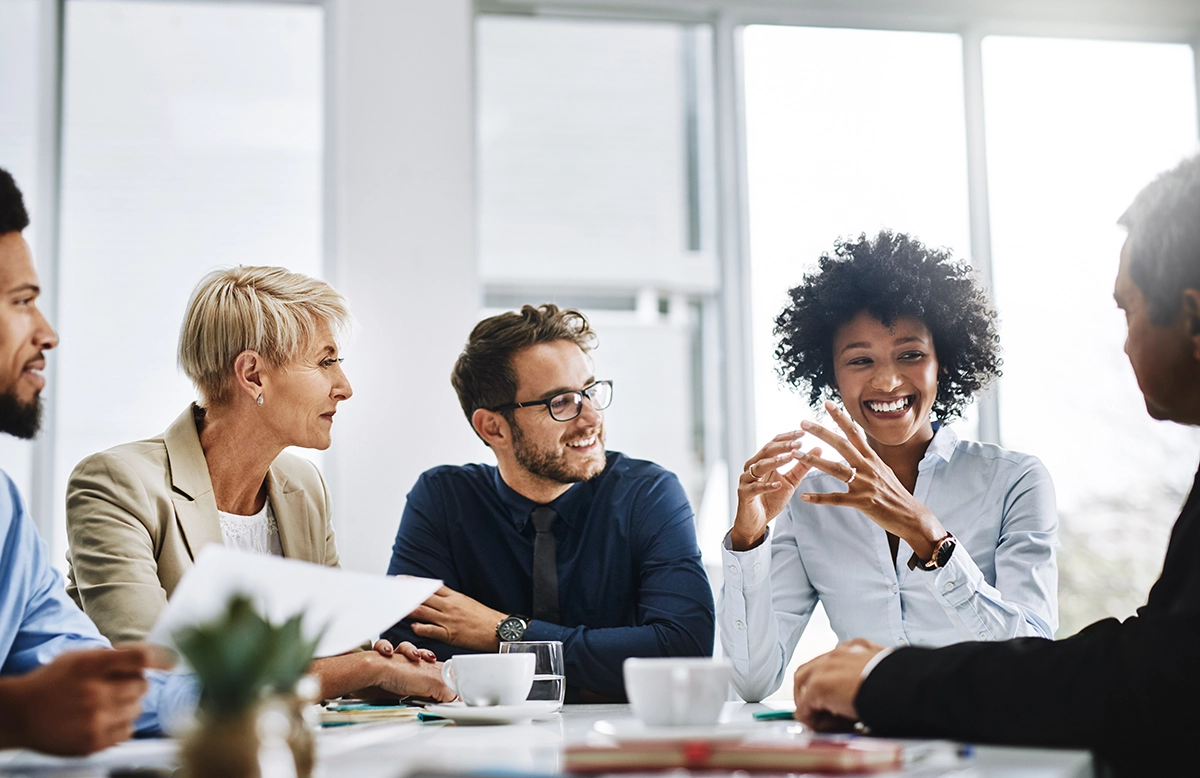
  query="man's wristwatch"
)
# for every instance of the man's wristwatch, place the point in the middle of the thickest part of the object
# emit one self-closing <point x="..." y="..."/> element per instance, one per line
<point x="512" y="628"/>
<point x="941" y="555"/>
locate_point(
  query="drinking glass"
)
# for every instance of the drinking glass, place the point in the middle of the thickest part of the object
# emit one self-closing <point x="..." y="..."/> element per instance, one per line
<point x="549" y="676"/>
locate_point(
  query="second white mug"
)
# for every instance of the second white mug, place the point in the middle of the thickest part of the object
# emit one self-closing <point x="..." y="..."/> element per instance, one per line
<point x="665" y="692"/>
<point x="489" y="679"/>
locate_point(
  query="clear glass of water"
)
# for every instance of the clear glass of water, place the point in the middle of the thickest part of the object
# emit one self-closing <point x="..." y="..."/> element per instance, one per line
<point x="549" y="676"/>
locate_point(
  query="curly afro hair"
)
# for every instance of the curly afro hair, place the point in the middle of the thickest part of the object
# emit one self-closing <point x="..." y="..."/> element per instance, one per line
<point x="13" y="216"/>
<point x="890" y="276"/>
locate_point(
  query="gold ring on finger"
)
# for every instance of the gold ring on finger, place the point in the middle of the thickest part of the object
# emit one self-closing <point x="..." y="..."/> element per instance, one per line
<point x="853" y="475"/>
<point x="750" y="470"/>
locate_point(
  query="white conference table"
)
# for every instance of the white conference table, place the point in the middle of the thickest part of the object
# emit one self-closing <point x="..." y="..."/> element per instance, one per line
<point x="393" y="750"/>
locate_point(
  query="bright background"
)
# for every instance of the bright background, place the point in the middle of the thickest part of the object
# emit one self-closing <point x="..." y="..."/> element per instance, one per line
<point x="670" y="170"/>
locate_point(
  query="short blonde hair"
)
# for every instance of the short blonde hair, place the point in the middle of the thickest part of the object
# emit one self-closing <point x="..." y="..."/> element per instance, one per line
<point x="270" y="310"/>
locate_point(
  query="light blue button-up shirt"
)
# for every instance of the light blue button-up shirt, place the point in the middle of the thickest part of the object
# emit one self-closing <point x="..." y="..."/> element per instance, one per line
<point x="1000" y="583"/>
<point x="38" y="621"/>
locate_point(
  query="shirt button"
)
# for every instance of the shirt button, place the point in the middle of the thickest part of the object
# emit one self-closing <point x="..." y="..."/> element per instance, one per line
<point x="895" y="588"/>
<point x="739" y="625"/>
<point x="949" y="586"/>
<point x="902" y="642"/>
<point x="983" y="636"/>
<point x="757" y="567"/>
<point x="733" y="568"/>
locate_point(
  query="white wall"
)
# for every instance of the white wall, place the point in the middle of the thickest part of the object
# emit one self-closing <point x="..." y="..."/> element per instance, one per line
<point x="403" y="180"/>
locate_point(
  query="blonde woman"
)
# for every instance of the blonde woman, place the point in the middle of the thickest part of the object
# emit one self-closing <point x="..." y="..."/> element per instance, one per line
<point x="260" y="344"/>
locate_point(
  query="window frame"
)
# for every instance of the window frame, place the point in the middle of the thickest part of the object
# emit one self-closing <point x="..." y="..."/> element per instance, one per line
<point x="1164" y="21"/>
<point x="1157" y="21"/>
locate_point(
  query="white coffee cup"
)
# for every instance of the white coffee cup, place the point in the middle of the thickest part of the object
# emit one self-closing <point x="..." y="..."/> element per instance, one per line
<point x="669" y="691"/>
<point x="490" y="679"/>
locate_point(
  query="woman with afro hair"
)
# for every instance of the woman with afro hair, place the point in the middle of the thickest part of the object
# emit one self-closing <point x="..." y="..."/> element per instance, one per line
<point x="917" y="537"/>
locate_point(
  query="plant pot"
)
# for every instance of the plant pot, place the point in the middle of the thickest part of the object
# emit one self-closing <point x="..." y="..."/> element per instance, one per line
<point x="224" y="745"/>
<point x="301" y="739"/>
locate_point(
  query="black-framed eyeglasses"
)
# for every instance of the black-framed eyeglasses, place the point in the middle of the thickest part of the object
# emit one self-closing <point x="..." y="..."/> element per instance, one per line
<point x="567" y="405"/>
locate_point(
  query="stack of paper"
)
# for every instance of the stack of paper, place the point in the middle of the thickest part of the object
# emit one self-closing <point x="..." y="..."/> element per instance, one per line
<point x="362" y="713"/>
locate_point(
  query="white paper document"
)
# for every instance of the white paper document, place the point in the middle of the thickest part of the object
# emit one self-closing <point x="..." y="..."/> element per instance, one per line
<point x="349" y="607"/>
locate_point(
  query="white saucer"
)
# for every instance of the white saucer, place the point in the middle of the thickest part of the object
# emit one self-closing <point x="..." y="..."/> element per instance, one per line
<point x="462" y="713"/>
<point x="633" y="729"/>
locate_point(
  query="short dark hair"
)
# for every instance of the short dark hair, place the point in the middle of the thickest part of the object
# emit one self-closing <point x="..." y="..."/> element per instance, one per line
<point x="13" y="216"/>
<point x="890" y="276"/>
<point x="1163" y="223"/>
<point x="484" y="377"/>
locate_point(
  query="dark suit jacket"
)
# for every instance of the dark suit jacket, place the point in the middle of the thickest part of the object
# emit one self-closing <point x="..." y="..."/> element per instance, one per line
<point x="1129" y="691"/>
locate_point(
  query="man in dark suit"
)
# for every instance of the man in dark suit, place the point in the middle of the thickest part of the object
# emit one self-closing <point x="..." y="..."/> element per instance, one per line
<point x="1129" y="691"/>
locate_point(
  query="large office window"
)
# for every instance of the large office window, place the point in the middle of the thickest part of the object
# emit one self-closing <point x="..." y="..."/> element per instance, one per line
<point x="1074" y="129"/>
<point x="192" y="140"/>
<point x="18" y="155"/>
<point x="847" y="132"/>
<point x="595" y="190"/>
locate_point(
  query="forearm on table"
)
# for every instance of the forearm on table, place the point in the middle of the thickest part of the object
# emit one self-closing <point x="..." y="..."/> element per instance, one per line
<point x="346" y="673"/>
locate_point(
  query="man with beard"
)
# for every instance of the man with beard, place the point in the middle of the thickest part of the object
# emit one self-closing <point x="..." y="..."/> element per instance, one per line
<point x="561" y="540"/>
<point x="1126" y="690"/>
<point x="63" y="690"/>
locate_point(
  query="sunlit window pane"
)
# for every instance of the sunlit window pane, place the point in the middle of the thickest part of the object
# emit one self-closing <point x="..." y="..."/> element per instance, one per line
<point x="847" y="131"/>
<point x="595" y="191"/>
<point x="589" y="143"/>
<point x="1074" y="130"/>
<point x="192" y="140"/>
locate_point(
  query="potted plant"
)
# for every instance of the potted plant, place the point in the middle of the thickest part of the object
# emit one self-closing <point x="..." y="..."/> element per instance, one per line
<point x="240" y="659"/>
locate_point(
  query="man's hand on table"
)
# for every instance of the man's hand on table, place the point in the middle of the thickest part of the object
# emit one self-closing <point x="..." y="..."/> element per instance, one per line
<point x="825" y="687"/>
<point x="81" y="702"/>
<point x="457" y="620"/>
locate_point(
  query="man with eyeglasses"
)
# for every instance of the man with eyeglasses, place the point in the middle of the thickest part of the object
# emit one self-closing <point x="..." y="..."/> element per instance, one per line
<point x="561" y="540"/>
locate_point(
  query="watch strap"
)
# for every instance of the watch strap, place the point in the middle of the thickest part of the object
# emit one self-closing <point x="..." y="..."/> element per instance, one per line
<point x="941" y="555"/>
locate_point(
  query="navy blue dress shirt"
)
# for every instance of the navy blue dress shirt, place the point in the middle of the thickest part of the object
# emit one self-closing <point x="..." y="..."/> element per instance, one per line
<point x="630" y="581"/>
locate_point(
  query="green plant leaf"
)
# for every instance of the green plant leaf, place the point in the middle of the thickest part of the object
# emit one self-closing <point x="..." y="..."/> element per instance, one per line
<point x="240" y="655"/>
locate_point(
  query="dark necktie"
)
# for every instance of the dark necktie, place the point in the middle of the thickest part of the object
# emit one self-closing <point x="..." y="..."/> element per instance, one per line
<point x="545" y="565"/>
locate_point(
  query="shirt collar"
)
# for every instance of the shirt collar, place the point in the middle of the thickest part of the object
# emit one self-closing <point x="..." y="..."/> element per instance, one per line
<point x="945" y="440"/>
<point x="520" y="508"/>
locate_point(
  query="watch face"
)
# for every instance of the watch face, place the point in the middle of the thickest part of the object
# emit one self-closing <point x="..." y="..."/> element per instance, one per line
<point x="511" y="629"/>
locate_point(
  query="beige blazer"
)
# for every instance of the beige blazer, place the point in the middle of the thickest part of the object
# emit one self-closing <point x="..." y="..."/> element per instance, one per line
<point x="138" y="514"/>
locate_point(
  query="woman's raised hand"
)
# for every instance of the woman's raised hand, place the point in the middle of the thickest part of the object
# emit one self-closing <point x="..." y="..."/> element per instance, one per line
<point x="763" y="490"/>
<point x="872" y="486"/>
